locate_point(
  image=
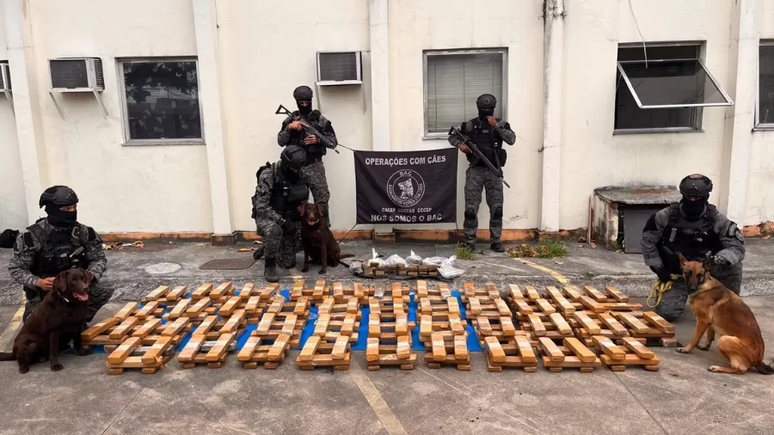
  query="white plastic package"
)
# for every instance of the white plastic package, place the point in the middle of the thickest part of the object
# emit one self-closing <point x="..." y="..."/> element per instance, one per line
<point x="375" y="261"/>
<point x="414" y="259"/>
<point x="434" y="261"/>
<point x="394" y="260"/>
<point x="447" y="269"/>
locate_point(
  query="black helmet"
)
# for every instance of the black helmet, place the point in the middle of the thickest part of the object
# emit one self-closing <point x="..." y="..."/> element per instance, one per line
<point x="303" y="93"/>
<point x="294" y="156"/>
<point x="486" y="101"/>
<point x="58" y="195"/>
<point x="696" y="186"/>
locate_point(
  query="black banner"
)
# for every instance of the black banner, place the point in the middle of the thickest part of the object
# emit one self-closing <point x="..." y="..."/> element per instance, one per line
<point x="406" y="187"/>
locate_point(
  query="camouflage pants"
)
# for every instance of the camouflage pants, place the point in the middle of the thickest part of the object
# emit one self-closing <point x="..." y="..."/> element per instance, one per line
<point x="673" y="302"/>
<point x="280" y="245"/>
<point x="318" y="184"/>
<point x="476" y="179"/>
<point x="99" y="295"/>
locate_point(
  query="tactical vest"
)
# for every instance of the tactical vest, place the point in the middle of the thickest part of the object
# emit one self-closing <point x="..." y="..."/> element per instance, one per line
<point x="287" y="196"/>
<point x="314" y="152"/>
<point x="55" y="253"/>
<point x="488" y="142"/>
<point x="692" y="238"/>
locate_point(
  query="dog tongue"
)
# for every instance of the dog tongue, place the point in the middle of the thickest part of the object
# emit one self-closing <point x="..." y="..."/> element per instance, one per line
<point x="81" y="296"/>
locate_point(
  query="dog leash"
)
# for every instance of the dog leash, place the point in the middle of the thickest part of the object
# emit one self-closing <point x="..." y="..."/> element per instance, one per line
<point x="659" y="288"/>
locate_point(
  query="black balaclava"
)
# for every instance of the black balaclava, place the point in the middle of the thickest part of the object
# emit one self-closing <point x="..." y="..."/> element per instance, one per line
<point x="303" y="93"/>
<point x="486" y="106"/>
<point x="695" y="189"/>
<point x="56" y="197"/>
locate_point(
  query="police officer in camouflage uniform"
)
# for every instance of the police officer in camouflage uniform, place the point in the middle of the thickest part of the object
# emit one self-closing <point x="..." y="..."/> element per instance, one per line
<point x="282" y="188"/>
<point x="696" y="229"/>
<point x="292" y="133"/>
<point x="488" y="133"/>
<point x="55" y="244"/>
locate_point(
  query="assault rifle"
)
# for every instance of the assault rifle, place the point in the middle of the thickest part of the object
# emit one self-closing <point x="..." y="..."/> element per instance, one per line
<point x="282" y="110"/>
<point x="466" y="140"/>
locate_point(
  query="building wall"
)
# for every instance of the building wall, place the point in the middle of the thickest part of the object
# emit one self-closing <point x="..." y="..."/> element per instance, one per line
<point x="760" y="198"/>
<point x="122" y="188"/>
<point x="13" y="212"/>
<point x="591" y="155"/>
<point x="450" y="24"/>
<point x="266" y="54"/>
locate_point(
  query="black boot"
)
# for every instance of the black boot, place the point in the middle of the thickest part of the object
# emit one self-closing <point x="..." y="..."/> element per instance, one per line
<point x="470" y="246"/>
<point x="270" y="270"/>
<point x="497" y="247"/>
<point x="258" y="253"/>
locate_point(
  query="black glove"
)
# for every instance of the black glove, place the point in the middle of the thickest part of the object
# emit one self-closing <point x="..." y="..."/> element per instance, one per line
<point x="720" y="261"/>
<point x="287" y="226"/>
<point x="662" y="273"/>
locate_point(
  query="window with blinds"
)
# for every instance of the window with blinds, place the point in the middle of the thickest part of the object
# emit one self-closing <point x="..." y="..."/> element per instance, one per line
<point x="453" y="81"/>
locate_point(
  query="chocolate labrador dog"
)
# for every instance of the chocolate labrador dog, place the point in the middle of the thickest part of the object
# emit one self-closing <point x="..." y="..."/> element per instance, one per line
<point x="53" y="323"/>
<point x="319" y="244"/>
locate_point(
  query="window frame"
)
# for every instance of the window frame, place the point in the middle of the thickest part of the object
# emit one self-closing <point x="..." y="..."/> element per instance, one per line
<point x="759" y="126"/>
<point x="128" y="141"/>
<point x="698" y="122"/>
<point x="426" y="135"/>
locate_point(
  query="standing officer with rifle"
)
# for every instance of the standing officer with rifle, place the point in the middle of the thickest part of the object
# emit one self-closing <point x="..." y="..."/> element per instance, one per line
<point x="481" y="139"/>
<point x="310" y="130"/>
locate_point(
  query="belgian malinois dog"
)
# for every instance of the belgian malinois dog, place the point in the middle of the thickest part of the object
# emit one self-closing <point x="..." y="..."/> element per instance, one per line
<point x="719" y="310"/>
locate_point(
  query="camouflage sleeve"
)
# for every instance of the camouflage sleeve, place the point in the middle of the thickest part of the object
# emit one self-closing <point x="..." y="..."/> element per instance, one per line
<point x="328" y="132"/>
<point x="283" y="137"/>
<point x="94" y="252"/>
<point x="651" y="235"/>
<point x="732" y="240"/>
<point x="454" y="140"/>
<point x="503" y="129"/>
<point x="262" y="198"/>
<point x="23" y="256"/>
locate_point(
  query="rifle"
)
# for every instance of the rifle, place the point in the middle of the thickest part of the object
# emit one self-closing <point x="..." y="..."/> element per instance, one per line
<point x="282" y="110"/>
<point x="466" y="140"/>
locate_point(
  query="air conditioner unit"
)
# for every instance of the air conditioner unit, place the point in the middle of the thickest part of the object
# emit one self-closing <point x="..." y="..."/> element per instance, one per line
<point x="5" y="78"/>
<point x="81" y="74"/>
<point x="339" y="68"/>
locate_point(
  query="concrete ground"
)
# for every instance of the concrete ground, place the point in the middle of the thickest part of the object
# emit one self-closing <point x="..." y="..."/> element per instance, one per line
<point x="683" y="397"/>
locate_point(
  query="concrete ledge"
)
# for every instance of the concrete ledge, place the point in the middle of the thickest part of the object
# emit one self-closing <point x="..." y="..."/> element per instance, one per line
<point x="223" y="240"/>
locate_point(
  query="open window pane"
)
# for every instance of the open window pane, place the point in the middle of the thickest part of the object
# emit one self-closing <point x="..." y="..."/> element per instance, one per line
<point x="454" y="81"/>
<point x="766" y="85"/>
<point x="162" y="100"/>
<point x="672" y="83"/>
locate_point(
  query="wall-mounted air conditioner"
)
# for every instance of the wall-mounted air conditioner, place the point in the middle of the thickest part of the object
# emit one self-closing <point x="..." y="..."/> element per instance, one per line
<point x="339" y="68"/>
<point x="5" y="78"/>
<point x="78" y="74"/>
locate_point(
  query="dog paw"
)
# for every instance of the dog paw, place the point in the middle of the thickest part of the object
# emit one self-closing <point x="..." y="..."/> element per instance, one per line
<point x="683" y="350"/>
<point x="56" y="367"/>
<point x="322" y="271"/>
<point x="306" y="269"/>
<point x="84" y="350"/>
<point x="24" y="369"/>
<point x="714" y="369"/>
<point x="704" y="348"/>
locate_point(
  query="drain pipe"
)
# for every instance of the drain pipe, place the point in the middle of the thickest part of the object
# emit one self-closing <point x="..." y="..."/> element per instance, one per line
<point x="553" y="50"/>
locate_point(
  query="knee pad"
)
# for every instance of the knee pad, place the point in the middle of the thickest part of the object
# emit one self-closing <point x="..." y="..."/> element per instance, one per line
<point x="275" y="231"/>
<point x="470" y="213"/>
<point x="497" y="213"/>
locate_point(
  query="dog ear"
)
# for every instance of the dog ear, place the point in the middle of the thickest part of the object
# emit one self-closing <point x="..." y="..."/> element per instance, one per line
<point x="320" y="210"/>
<point x="708" y="262"/>
<point x="60" y="282"/>
<point x="682" y="259"/>
<point x="88" y="275"/>
<point x="301" y="209"/>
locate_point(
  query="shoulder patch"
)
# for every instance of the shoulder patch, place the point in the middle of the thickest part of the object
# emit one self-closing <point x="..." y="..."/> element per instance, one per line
<point x="28" y="240"/>
<point x="92" y="235"/>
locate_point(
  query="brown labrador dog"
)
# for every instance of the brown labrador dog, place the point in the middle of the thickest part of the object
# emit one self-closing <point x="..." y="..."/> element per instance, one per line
<point x="53" y="323"/>
<point x="719" y="310"/>
<point x="319" y="244"/>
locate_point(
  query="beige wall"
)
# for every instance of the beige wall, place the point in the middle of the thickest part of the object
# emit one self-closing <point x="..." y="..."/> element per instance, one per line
<point x="444" y="24"/>
<point x="121" y="188"/>
<point x="13" y="213"/>
<point x="267" y="52"/>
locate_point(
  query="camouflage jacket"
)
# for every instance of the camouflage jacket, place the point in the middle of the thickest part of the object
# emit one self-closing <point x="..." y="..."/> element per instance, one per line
<point x="28" y="245"/>
<point x="262" y="204"/>
<point x="314" y="152"/>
